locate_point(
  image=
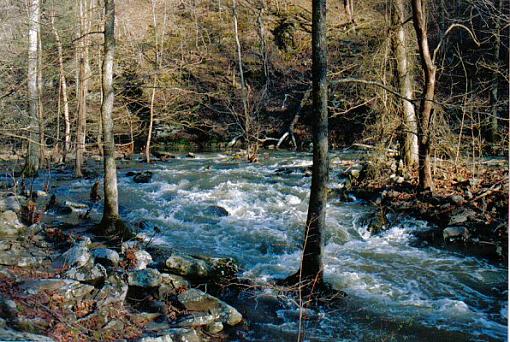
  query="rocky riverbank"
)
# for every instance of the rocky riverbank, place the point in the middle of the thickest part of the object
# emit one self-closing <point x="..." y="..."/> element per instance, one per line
<point x="60" y="285"/>
<point x="466" y="213"/>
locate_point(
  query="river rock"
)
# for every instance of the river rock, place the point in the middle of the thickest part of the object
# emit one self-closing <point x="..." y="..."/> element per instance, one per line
<point x="461" y="215"/>
<point x="187" y="266"/>
<point x="214" y="328"/>
<point x="196" y="300"/>
<point x="171" y="284"/>
<point x="143" y="177"/>
<point x="75" y="205"/>
<point x="174" y="335"/>
<point x="217" y="211"/>
<point x="76" y="256"/>
<point x="141" y="259"/>
<point x="13" y="335"/>
<point x="86" y="274"/>
<point x="455" y="232"/>
<point x="196" y="319"/>
<point x="8" y="308"/>
<point x="148" y="277"/>
<point x="131" y="244"/>
<point x="70" y="290"/>
<point x="9" y="224"/>
<point x="12" y="203"/>
<point x="114" y="290"/>
<point x="12" y="253"/>
<point x="106" y="257"/>
<point x="191" y="155"/>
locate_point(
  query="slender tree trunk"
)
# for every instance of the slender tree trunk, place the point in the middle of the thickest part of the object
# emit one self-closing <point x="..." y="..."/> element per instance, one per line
<point x="493" y="121"/>
<point x="40" y="110"/>
<point x="311" y="265"/>
<point x="110" y="224"/>
<point x="405" y="84"/>
<point x="427" y="99"/>
<point x="349" y="10"/>
<point x="32" y="160"/>
<point x="63" y="86"/>
<point x="84" y="71"/>
<point x="244" y="92"/>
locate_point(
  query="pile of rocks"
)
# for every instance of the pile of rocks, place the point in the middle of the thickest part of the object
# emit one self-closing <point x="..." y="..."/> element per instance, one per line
<point x="84" y="272"/>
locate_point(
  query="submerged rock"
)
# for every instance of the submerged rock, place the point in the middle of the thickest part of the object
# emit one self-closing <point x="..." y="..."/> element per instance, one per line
<point x="146" y="278"/>
<point x="106" y="256"/>
<point x="216" y="210"/>
<point x="143" y="177"/>
<point x="196" y="300"/>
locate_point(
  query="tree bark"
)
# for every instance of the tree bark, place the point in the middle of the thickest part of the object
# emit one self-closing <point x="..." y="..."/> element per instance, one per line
<point x="63" y="86"/>
<point x="311" y="265"/>
<point x="84" y="72"/>
<point x="427" y="99"/>
<point x="244" y="93"/>
<point x="110" y="224"/>
<point x="494" y="97"/>
<point x="33" y="156"/>
<point x="405" y="85"/>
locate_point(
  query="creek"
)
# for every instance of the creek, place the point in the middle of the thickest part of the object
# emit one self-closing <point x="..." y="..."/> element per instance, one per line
<point x="396" y="290"/>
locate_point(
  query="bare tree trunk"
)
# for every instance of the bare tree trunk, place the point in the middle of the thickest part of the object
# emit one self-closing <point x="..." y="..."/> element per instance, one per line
<point x="427" y="99"/>
<point x="40" y="111"/>
<point x="349" y="10"/>
<point x="311" y="265"/>
<point x="405" y="84"/>
<point x="63" y="85"/>
<point x="32" y="160"/>
<point x="82" y="99"/>
<point x="110" y="224"/>
<point x="244" y="93"/>
<point x="155" y="80"/>
<point x="493" y="125"/>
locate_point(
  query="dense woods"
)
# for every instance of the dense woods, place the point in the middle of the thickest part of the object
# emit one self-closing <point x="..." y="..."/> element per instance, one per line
<point x="205" y="74"/>
<point x="402" y="107"/>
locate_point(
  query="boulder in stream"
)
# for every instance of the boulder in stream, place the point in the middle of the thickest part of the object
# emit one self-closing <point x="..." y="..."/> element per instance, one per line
<point x="143" y="177"/>
<point x="455" y="233"/>
<point x="196" y="300"/>
<point x="216" y="210"/>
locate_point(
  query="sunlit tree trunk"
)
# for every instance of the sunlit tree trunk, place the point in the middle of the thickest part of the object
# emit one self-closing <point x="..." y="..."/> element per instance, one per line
<point x="110" y="223"/>
<point x="84" y="74"/>
<point x="251" y="145"/>
<point x="405" y="80"/>
<point x="427" y="98"/>
<point x="63" y="87"/>
<point x="311" y="265"/>
<point x="33" y="156"/>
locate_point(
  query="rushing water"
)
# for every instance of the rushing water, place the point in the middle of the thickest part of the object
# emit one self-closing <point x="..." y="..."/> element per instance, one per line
<point x="395" y="291"/>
